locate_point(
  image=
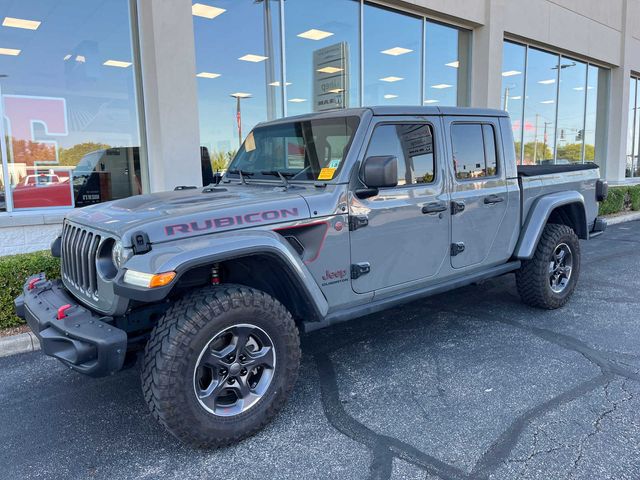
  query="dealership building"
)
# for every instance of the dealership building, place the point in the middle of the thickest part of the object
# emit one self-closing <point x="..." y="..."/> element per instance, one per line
<point x="103" y="99"/>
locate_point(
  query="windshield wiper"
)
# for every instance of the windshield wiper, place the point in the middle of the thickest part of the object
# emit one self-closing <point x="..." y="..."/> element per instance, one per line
<point x="241" y="173"/>
<point x="283" y="176"/>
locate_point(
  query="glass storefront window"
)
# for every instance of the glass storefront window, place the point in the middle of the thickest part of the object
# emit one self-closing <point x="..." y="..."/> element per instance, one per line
<point x="558" y="106"/>
<point x="446" y="65"/>
<point x="69" y="103"/>
<point x="513" y="67"/>
<point x="540" y="107"/>
<point x="571" y="108"/>
<point x="322" y="55"/>
<point x="238" y="72"/>
<point x="392" y="61"/>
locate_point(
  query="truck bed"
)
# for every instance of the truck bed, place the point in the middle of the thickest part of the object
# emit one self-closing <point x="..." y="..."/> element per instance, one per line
<point x="535" y="170"/>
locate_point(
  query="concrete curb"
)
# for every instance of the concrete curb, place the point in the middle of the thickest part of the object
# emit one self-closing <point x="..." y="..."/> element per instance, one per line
<point x="22" y="343"/>
<point x="28" y="342"/>
<point x="627" y="217"/>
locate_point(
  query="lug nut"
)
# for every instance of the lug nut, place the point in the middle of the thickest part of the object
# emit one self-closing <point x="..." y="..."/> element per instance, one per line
<point x="230" y="358"/>
<point x="223" y="371"/>
<point x="232" y="381"/>
<point x="243" y="371"/>
<point x="242" y="358"/>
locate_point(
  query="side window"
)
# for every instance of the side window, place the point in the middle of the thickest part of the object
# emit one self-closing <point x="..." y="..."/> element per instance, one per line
<point x="412" y="145"/>
<point x="474" y="150"/>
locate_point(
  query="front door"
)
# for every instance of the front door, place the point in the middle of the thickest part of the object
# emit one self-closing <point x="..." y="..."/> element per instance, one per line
<point x="479" y="196"/>
<point x="402" y="234"/>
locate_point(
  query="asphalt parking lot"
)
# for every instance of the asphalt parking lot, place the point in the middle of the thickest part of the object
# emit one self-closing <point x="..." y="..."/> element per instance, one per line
<point x="470" y="384"/>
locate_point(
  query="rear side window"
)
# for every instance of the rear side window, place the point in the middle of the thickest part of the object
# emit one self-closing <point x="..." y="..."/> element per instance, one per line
<point x="474" y="150"/>
<point x="412" y="145"/>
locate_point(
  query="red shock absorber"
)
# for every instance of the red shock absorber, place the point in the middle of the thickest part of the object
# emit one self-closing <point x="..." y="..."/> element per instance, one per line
<point x="215" y="275"/>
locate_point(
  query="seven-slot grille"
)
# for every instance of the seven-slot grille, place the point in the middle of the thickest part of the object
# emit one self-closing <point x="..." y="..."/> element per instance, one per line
<point x="79" y="251"/>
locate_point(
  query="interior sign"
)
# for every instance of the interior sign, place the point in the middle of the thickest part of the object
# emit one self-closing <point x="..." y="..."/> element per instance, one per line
<point x="331" y="77"/>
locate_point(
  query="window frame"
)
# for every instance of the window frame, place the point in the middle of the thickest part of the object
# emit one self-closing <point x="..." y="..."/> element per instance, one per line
<point x="499" y="162"/>
<point x="375" y="125"/>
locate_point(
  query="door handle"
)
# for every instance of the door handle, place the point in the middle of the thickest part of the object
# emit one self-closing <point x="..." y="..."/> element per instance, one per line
<point x="434" y="207"/>
<point x="493" y="199"/>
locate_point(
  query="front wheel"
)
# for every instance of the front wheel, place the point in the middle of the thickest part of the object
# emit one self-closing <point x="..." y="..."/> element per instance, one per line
<point x="220" y="364"/>
<point x="550" y="277"/>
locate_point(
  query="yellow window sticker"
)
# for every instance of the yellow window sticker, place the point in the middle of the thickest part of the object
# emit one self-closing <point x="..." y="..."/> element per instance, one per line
<point x="250" y="143"/>
<point x="326" y="173"/>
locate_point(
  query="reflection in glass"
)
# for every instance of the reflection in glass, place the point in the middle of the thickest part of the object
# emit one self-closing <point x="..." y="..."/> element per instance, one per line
<point x="323" y="57"/>
<point x="596" y="115"/>
<point x="540" y="107"/>
<point x="633" y="129"/>
<point x="391" y="61"/>
<point x="69" y="92"/>
<point x="513" y="67"/>
<point x="239" y="74"/>
<point x="571" y="105"/>
<point x="412" y="145"/>
<point x="446" y="65"/>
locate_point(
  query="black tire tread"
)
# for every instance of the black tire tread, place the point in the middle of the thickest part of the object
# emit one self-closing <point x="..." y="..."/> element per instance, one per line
<point x="532" y="277"/>
<point x="168" y="349"/>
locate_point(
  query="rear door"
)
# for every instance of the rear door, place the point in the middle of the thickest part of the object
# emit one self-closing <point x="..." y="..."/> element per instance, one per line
<point x="402" y="233"/>
<point x="479" y="197"/>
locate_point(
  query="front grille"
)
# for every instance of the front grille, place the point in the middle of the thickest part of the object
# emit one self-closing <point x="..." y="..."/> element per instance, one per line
<point x="79" y="252"/>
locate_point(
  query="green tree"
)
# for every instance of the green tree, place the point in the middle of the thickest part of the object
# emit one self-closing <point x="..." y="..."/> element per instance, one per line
<point x="220" y="160"/>
<point x="71" y="156"/>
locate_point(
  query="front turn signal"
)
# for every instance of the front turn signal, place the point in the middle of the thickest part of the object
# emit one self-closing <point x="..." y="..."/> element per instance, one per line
<point x="148" y="280"/>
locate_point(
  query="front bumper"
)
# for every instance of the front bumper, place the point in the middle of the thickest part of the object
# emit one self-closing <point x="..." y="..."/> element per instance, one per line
<point x="83" y="341"/>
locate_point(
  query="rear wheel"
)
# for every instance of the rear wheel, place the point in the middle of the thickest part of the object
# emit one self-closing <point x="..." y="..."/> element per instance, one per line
<point x="549" y="279"/>
<point x="220" y="364"/>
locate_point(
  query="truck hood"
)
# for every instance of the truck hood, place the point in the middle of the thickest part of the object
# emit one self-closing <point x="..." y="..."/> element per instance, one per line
<point x="172" y="215"/>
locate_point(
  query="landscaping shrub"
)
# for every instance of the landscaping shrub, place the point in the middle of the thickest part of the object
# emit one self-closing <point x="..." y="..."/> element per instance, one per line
<point x="634" y="197"/>
<point x="614" y="202"/>
<point x="14" y="270"/>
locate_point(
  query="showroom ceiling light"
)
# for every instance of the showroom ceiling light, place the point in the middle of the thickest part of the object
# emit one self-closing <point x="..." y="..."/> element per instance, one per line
<point x="277" y="84"/>
<point x="455" y="64"/>
<point x="441" y="86"/>
<point x="207" y="75"/>
<point x="297" y="100"/>
<point x="117" y="63"/>
<point x="10" y="51"/>
<point x="20" y="23"/>
<point x="551" y="81"/>
<point x="511" y="73"/>
<point x="548" y="102"/>
<point x="330" y="70"/>
<point x="336" y="90"/>
<point x="516" y="98"/>
<point x="395" y="51"/>
<point x="315" y="34"/>
<point x="241" y="95"/>
<point x="391" y="79"/>
<point x="250" y="57"/>
<point x="430" y="101"/>
<point x="80" y="58"/>
<point x="67" y="57"/>
<point x="389" y="96"/>
<point x="206" y="11"/>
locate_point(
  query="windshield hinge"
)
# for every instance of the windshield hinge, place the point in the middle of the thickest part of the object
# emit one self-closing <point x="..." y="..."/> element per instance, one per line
<point x="359" y="269"/>
<point x="358" y="221"/>
<point x="141" y="243"/>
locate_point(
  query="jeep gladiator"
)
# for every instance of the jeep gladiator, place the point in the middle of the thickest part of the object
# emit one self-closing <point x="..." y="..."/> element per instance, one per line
<point x="319" y="219"/>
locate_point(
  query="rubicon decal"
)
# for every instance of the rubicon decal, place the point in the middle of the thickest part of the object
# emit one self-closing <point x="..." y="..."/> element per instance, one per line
<point x="228" y="222"/>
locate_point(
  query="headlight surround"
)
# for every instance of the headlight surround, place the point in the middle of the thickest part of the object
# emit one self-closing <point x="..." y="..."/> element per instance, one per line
<point x="120" y="255"/>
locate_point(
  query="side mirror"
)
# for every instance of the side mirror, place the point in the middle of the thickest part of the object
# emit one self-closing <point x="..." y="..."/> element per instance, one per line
<point x="380" y="172"/>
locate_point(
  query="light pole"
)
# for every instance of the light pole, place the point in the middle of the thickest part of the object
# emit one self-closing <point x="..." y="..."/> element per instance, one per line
<point x="239" y="96"/>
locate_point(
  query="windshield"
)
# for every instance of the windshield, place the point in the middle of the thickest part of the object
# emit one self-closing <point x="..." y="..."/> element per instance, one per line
<point x="306" y="150"/>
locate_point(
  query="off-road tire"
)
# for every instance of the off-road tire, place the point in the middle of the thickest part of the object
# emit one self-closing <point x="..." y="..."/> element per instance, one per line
<point x="176" y="342"/>
<point x="532" y="278"/>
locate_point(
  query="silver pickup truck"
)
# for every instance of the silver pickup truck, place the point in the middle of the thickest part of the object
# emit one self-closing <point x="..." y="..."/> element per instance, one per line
<point x="319" y="219"/>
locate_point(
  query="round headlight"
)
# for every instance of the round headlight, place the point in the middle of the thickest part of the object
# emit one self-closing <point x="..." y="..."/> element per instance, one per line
<point x="119" y="254"/>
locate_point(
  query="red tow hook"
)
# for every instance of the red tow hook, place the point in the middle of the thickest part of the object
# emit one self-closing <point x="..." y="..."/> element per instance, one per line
<point x="62" y="311"/>
<point x="32" y="283"/>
